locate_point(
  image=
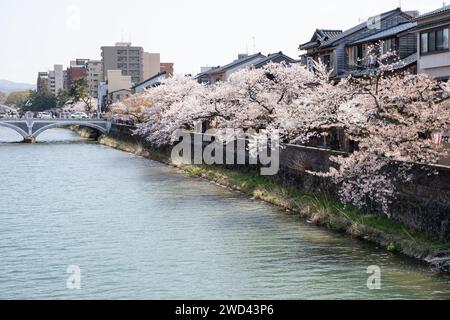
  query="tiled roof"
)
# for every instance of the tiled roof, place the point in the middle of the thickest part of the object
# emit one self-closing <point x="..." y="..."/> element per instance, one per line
<point x="257" y="57"/>
<point x="308" y="45"/>
<point x="330" y="34"/>
<point x="359" y="27"/>
<point x="120" y="90"/>
<point x="388" y="32"/>
<point x="320" y="35"/>
<point x="435" y="12"/>
<point x="274" y="56"/>
<point x="409" y="60"/>
<point x="432" y="24"/>
<point x="206" y="72"/>
<point x="238" y="62"/>
<point x="149" y="79"/>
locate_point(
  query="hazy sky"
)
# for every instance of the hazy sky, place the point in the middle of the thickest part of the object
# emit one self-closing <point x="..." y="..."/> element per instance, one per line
<point x="36" y="34"/>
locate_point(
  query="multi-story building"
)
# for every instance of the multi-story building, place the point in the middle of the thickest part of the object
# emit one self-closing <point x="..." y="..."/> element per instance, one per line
<point x="119" y="86"/>
<point x="56" y="79"/>
<point x="398" y="39"/>
<point x="433" y="43"/>
<point x="102" y="96"/>
<point x="344" y="51"/>
<point x="94" y="76"/>
<point x="152" y="64"/>
<point x="167" y="67"/>
<point x="79" y="63"/>
<point x="42" y="82"/>
<point x="75" y="72"/>
<point x="66" y="79"/>
<point x="126" y="58"/>
<point x="433" y="50"/>
<point x="78" y="69"/>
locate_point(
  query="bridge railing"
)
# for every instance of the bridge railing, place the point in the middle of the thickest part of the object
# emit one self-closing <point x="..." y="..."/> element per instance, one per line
<point x="9" y="117"/>
<point x="60" y="116"/>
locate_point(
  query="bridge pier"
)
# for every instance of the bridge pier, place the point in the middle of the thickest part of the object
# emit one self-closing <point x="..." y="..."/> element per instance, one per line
<point x="29" y="140"/>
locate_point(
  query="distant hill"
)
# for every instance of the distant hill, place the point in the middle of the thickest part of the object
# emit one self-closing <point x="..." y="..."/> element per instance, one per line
<point x="9" y="86"/>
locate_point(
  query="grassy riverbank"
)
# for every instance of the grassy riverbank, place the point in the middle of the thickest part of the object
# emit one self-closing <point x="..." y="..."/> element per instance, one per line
<point x="315" y="208"/>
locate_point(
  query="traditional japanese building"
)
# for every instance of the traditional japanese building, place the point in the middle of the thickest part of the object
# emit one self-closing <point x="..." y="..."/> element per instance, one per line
<point x="344" y="51"/>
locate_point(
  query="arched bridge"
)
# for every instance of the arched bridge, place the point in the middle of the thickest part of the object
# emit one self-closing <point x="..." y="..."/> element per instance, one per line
<point x="30" y="128"/>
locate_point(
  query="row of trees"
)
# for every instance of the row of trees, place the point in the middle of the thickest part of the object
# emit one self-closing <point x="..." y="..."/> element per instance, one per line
<point x="32" y="100"/>
<point x="391" y="117"/>
<point x="42" y="100"/>
<point x="2" y="97"/>
<point x="16" y="99"/>
<point x="77" y="96"/>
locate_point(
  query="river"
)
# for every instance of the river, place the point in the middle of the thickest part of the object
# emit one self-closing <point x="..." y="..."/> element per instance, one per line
<point x="138" y="229"/>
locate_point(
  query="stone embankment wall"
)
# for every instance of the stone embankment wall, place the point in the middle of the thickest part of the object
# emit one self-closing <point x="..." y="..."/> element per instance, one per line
<point x="423" y="203"/>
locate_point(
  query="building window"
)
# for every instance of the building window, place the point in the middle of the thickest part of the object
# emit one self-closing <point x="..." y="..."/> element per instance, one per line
<point x="326" y="59"/>
<point x="424" y="42"/>
<point x="352" y="54"/>
<point x="389" y="45"/>
<point x="355" y="54"/>
<point x="434" y="41"/>
<point x="310" y="63"/>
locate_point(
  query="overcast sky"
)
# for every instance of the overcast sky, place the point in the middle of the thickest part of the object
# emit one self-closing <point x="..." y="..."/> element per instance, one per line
<point x="37" y="34"/>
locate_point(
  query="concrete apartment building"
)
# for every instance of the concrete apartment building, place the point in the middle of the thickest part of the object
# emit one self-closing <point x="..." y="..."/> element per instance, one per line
<point x="167" y="67"/>
<point x="119" y="86"/>
<point x="94" y="76"/>
<point x="74" y="73"/>
<point x="52" y="80"/>
<point x="152" y="64"/>
<point x="433" y="43"/>
<point x="42" y="81"/>
<point x="79" y="63"/>
<point x="124" y="57"/>
<point x="117" y="81"/>
<point x="56" y="79"/>
<point x="78" y="69"/>
<point x="102" y="96"/>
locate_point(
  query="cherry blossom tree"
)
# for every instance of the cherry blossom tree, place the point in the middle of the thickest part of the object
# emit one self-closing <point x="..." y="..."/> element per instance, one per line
<point x="88" y="105"/>
<point x="388" y="114"/>
<point x="391" y="116"/>
<point x="259" y="99"/>
<point x="178" y="103"/>
<point x="131" y="110"/>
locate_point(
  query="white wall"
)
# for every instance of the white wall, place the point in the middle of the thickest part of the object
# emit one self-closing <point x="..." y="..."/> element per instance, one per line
<point x="433" y="65"/>
<point x="116" y="81"/>
<point x="143" y="86"/>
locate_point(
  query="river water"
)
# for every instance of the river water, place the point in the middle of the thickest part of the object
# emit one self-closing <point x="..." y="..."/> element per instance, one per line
<point x="137" y="229"/>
